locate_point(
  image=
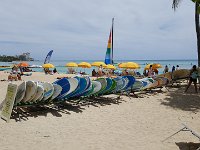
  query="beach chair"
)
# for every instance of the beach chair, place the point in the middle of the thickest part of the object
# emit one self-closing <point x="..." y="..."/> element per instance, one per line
<point x="185" y="128"/>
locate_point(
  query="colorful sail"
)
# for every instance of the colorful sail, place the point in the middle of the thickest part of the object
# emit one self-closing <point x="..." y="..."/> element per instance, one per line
<point x="109" y="52"/>
<point x="108" y="59"/>
<point x="48" y="57"/>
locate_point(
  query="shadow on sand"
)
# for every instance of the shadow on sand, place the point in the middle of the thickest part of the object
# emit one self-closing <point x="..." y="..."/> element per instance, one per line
<point x="177" y="99"/>
<point x="188" y="146"/>
<point x="77" y="106"/>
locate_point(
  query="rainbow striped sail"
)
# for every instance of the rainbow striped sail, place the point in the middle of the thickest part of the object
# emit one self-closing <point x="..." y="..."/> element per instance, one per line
<point x="109" y="52"/>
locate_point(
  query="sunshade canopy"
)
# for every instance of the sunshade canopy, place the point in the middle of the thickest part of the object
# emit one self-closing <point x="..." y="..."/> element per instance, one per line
<point x="84" y="65"/>
<point x="48" y="66"/>
<point x="71" y="64"/>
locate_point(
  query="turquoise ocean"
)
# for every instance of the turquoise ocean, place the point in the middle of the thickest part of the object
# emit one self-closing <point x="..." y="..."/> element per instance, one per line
<point x="60" y="64"/>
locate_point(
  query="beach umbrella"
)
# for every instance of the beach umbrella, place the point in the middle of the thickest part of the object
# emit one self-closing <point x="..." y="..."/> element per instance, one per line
<point x="154" y="66"/>
<point x="98" y="63"/>
<point x="84" y="65"/>
<point x="48" y="66"/>
<point x="129" y="65"/>
<point x="71" y="64"/>
<point x="110" y="67"/>
<point x="23" y="64"/>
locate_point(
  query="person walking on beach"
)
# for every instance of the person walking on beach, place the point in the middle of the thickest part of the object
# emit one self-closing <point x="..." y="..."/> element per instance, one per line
<point x="173" y="68"/>
<point x="193" y="78"/>
<point x="166" y="69"/>
<point x="177" y="67"/>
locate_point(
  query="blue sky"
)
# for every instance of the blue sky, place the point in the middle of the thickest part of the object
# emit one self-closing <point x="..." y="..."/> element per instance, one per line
<point x="79" y="29"/>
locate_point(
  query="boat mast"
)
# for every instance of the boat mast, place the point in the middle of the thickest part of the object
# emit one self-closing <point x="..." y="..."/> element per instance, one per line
<point x="112" y="38"/>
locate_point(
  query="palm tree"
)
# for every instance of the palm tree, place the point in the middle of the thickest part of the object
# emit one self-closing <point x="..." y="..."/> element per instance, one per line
<point x="197" y="2"/>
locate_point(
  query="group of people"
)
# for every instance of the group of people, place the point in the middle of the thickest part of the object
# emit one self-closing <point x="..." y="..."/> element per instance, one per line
<point x="173" y="68"/>
<point x="15" y="73"/>
<point x="150" y="72"/>
<point x="193" y="76"/>
<point x="101" y="72"/>
<point x="51" y="72"/>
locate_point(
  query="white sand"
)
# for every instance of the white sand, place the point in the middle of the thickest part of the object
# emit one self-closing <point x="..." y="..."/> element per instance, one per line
<point x="132" y="123"/>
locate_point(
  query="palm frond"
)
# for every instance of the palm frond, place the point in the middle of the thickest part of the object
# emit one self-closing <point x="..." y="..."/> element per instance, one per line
<point x="175" y="4"/>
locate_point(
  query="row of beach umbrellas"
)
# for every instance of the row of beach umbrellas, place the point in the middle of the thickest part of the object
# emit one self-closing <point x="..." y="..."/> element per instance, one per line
<point x="126" y="65"/>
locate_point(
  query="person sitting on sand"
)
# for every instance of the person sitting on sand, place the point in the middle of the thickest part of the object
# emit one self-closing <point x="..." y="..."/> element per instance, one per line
<point x="150" y="71"/>
<point x="47" y="71"/>
<point x="94" y="73"/>
<point x="145" y="73"/>
<point x="14" y="76"/>
<point x="26" y="69"/>
<point x="194" y="74"/>
<point x="100" y="71"/>
<point x="55" y="71"/>
<point x="14" y="68"/>
<point x="156" y="71"/>
<point x="71" y="71"/>
<point x="124" y="72"/>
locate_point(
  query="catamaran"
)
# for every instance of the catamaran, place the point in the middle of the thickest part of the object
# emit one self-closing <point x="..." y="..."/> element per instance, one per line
<point x="109" y="52"/>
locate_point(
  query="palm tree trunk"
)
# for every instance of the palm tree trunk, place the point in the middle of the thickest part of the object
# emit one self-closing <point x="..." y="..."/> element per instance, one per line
<point x="197" y="31"/>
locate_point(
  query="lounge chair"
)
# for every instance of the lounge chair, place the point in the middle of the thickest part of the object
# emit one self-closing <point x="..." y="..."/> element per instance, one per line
<point x="185" y="128"/>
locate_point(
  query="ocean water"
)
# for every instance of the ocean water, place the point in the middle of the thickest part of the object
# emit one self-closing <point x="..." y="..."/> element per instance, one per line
<point x="60" y="64"/>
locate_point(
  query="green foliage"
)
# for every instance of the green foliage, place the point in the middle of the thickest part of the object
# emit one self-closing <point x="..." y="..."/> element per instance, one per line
<point x="5" y="58"/>
<point x="196" y="1"/>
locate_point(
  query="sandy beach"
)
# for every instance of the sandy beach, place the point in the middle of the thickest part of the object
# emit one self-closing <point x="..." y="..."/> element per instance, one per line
<point x="128" y="123"/>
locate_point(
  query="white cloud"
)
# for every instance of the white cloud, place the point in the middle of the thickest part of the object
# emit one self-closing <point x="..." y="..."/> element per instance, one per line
<point x="79" y="29"/>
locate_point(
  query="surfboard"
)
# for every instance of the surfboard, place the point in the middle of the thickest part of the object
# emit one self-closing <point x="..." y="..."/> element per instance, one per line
<point x="20" y="92"/>
<point x="137" y="85"/>
<point x="88" y="87"/>
<point x="162" y="81"/>
<point x="73" y="84"/>
<point x="167" y="75"/>
<point x="64" y="83"/>
<point x="80" y="89"/>
<point x="31" y="99"/>
<point x="126" y="81"/>
<point x="146" y="83"/>
<point x="120" y="84"/>
<point x="48" y="90"/>
<point x="90" y="90"/>
<point x="9" y="102"/>
<point x="131" y="81"/>
<point x="113" y="87"/>
<point x="68" y="86"/>
<point x="31" y="89"/>
<point x="41" y="97"/>
<point x="180" y="74"/>
<point x="39" y="94"/>
<point x="109" y="85"/>
<point x="103" y="85"/>
<point x="97" y="87"/>
<point x="56" y="92"/>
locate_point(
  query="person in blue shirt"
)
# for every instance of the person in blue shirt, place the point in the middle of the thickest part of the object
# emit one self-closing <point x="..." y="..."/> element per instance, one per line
<point x="194" y="74"/>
